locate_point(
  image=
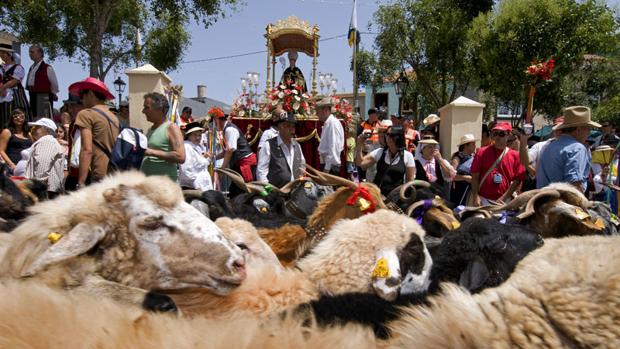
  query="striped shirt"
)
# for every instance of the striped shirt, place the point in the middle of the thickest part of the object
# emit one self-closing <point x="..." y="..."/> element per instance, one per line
<point x="46" y="163"/>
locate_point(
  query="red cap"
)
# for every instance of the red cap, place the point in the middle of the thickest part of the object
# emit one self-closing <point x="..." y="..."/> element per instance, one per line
<point x="90" y="83"/>
<point x="503" y="126"/>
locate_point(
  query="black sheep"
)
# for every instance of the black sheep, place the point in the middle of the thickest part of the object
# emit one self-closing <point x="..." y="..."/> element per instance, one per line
<point x="482" y="253"/>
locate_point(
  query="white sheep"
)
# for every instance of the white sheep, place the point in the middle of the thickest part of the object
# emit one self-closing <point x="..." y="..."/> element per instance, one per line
<point x="343" y="262"/>
<point x="564" y="295"/>
<point x="35" y="316"/>
<point x="121" y="236"/>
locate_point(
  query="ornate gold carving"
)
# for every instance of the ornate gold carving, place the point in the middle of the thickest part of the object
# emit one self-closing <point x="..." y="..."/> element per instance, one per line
<point x="292" y="22"/>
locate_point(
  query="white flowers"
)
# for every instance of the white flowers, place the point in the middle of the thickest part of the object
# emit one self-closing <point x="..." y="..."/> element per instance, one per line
<point x="296" y="105"/>
<point x="280" y="94"/>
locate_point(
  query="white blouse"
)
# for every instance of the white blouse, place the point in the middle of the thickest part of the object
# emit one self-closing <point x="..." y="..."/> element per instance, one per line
<point x="194" y="172"/>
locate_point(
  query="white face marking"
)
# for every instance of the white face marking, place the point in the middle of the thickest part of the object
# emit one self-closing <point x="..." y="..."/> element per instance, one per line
<point x="418" y="283"/>
<point x="380" y="284"/>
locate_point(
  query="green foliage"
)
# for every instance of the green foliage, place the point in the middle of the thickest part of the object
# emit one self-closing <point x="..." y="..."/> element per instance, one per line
<point x="506" y="41"/>
<point x="102" y="34"/>
<point x="366" y="67"/>
<point x="430" y="37"/>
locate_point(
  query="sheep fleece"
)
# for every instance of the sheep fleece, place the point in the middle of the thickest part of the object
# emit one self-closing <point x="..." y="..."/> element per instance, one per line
<point x="564" y="295"/>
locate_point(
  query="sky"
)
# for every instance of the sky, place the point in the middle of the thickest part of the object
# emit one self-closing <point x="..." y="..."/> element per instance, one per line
<point x="242" y="32"/>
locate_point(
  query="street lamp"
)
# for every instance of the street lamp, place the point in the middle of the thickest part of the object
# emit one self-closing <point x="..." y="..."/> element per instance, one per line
<point x="334" y="85"/>
<point x="119" y="85"/>
<point x="400" y="85"/>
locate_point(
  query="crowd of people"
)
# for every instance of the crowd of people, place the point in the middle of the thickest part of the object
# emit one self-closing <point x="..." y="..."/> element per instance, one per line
<point x="73" y="148"/>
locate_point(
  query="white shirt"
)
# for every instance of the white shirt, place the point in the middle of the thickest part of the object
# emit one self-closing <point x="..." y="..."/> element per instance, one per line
<point x="51" y="75"/>
<point x="264" y="154"/>
<point x="267" y="135"/>
<point x="194" y="172"/>
<point x="230" y="136"/>
<point x="536" y="150"/>
<point x="430" y="167"/>
<point x="332" y="142"/>
<point x="18" y="74"/>
<point x="46" y="163"/>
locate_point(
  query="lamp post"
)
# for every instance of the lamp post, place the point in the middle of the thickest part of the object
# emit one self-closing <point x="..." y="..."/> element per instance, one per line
<point x="400" y="85"/>
<point x="334" y="86"/>
<point x="119" y="85"/>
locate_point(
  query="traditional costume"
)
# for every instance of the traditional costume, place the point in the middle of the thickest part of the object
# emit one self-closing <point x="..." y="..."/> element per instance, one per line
<point x="293" y="76"/>
<point x="14" y="97"/>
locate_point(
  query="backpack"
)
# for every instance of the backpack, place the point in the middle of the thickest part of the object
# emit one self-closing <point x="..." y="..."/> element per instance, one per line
<point x="129" y="147"/>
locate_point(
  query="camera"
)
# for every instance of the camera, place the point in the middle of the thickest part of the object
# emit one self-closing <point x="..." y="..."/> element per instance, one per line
<point x="527" y="129"/>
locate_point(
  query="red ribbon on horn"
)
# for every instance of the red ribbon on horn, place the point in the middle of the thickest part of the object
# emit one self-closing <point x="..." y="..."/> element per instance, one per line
<point x="362" y="193"/>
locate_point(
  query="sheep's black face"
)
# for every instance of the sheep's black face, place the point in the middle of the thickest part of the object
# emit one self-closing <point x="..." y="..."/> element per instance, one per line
<point x="218" y="204"/>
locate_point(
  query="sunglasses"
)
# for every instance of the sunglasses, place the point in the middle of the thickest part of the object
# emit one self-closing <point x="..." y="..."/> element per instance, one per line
<point x="499" y="134"/>
<point x="19" y="116"/>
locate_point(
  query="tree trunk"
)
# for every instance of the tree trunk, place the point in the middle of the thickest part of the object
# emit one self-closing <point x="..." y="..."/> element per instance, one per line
<point x="102" y="12"/>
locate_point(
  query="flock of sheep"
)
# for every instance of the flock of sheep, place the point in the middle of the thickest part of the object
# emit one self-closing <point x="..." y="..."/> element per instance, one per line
<point x="135" y="262"/>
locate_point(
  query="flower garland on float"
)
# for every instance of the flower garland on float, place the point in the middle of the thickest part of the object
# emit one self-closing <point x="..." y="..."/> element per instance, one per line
<point x="290" y="100"/>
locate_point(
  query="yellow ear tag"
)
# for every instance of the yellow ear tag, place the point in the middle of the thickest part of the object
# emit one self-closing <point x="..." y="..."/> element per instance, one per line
<point x="455" y="225"/>
<point x="381" y="269"/>
<point x="263" y="209"/>
<point x="54" y="237"/>
<point x="599" y="223"/>
<point x="364" y="204"/>
<point x="308" y="185"/>
<point x="581" y="214"/>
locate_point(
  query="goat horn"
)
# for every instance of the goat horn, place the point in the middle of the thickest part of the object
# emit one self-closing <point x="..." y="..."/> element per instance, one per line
<point x="412" y="184"/>
<point x="329" y="178"/>
<point x="529" y="208"/>
<point x="519" y="202"/>
<point x="192" y="193"/>
<point x="235" y="177"/>
<point x="414" y="206"/>
<point x="289" y="186"/>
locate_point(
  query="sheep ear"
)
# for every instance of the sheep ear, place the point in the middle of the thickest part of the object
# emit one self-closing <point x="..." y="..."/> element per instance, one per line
<point x="77" y="241"/>
<point x="474" y="275"/>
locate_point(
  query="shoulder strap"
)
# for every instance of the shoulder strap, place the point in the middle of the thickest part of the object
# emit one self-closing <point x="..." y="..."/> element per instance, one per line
<point x="106" y="116"/>
<point x="499" y="159"/>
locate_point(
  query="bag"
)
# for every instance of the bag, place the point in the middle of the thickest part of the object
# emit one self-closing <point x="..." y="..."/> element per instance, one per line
<point x="470" y="198"/>
<point x="129" y="147"/>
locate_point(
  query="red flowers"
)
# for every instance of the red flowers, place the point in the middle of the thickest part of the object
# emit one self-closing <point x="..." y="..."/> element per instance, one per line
<point x="541" y="70"/>
<point x="289" y="99"/>
<point x="215" y="112"/>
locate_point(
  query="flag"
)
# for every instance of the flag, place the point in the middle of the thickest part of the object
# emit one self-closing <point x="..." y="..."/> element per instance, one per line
<point x="354" y="35"/>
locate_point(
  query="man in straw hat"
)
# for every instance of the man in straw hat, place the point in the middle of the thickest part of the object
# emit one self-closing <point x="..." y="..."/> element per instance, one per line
<point x="332" y="137"/>
<point x="98" y="129"/>
<point x="496" y="171"/>
<point x="567" y="159"/>
<point x="280" y="159"/>
<point x="194" y="172"/>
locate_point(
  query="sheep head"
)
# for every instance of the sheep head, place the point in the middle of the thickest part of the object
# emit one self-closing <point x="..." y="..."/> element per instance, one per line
<point x="141" y="234"/>
<point x="434" y="216"/>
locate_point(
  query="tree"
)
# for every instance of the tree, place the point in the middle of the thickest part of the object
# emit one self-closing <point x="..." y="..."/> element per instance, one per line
<point x="101" y="34"/>
<point x="506" y="41"/>
<point x="428" y="36"/>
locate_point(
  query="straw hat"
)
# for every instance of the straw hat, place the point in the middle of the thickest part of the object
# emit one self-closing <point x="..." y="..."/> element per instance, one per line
<point x="6" y="45"/>
<point x="431" y="119"/>
<point x="467" y="138"/>
<point x="192" y="127"/>
<point x="325" y="102"/>
<point x="428" y="141"/>
<point x="576" y="116"/>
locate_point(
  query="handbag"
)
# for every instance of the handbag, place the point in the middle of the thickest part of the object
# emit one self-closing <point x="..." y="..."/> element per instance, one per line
<point x="470" y="198"/>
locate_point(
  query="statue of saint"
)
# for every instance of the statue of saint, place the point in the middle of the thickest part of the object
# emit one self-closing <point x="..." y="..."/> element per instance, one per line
<point x="293" y="76"/>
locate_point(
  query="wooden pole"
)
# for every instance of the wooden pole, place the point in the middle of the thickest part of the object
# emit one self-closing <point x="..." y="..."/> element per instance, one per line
<point x="355" y="49"/>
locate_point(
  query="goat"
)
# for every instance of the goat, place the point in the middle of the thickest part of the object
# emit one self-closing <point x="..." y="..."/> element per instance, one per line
<point x="121" y="236"/>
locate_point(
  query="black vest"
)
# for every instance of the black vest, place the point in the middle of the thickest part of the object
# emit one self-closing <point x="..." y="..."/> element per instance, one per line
<point x="279" y="173"/>
<point x="243" y="147"/>
<point x="390" y="176"/>
<point x="420" y="172"/>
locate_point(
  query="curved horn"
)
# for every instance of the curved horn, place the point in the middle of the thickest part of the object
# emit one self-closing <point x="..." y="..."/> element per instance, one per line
<point x="529" y="208"/>
<point x="328" y="179"/>
<point x="519" y="202"/>
<point x="414" y="206"/>
<point x="286" y="189"/>
<point x="412" y="184"/>
<point x="235" y="177"/>
<point x="192" y="193"/>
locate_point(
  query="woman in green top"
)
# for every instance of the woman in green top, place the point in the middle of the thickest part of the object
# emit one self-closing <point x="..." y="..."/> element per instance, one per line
<point x="165" y="146"/>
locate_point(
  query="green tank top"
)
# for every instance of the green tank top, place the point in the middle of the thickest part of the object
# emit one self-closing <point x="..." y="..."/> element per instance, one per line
<point x="152" y="166"/>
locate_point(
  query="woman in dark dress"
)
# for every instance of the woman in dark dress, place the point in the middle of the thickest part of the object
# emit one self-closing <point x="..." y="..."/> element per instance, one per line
<point x="14" y="139"/>
<point x="462" y="161"/>
<point x="12" y="94"/>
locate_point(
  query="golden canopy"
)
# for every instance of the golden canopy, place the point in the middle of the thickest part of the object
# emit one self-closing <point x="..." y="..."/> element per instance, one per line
<point x="288" y="34"/>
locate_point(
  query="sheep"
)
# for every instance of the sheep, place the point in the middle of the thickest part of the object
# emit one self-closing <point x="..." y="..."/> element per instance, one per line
<point x="342" y="262"/>
<point x="243" y="234"/>
<point x="34" y="316"/>
<point x="564" y="295"/>
<point x="121" y="236"/>
<point x="482" y="253"/>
